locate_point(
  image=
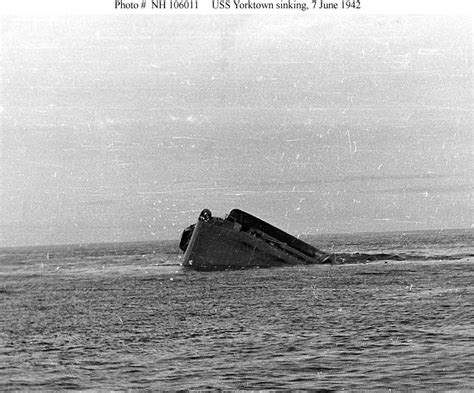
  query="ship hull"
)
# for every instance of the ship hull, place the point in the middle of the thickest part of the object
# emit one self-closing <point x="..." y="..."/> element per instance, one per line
<point x="222" y="245"/>
<point x="215" y="247"/>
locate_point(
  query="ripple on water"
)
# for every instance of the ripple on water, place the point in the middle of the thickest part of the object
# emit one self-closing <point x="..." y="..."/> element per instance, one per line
<point x="403" y="325"/>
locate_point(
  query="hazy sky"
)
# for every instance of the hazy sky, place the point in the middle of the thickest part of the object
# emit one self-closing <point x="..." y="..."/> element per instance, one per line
<point x="122" y="128"/>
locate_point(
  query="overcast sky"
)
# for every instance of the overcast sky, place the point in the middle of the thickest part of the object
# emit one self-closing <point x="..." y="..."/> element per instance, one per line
<point x="122" y="128"/>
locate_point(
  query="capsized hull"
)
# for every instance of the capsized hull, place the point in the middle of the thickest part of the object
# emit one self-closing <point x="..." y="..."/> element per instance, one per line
<point x="217" y="244"/>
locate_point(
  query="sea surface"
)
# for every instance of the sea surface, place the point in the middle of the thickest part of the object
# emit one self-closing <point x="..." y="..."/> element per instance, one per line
<point x="129" y="316"/>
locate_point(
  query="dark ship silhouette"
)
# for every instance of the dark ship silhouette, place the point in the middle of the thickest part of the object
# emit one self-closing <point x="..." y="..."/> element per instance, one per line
<point x="241" y="241"/>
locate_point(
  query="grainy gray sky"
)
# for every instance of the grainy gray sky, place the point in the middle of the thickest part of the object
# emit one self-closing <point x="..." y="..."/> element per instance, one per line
<point x="122" y="128"/>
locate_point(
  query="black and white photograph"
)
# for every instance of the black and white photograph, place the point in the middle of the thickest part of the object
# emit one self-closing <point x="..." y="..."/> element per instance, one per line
<point x="214" y="195"/>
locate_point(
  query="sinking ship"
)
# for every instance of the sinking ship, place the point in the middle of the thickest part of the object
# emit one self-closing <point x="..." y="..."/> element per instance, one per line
<point x="241" y="241"/>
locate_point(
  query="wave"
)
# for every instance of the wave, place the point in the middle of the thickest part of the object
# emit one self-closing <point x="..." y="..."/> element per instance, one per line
<point x="348" y="258"/>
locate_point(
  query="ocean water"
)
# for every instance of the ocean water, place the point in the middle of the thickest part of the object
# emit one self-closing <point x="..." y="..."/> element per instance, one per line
<point x="128" y="316"/>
